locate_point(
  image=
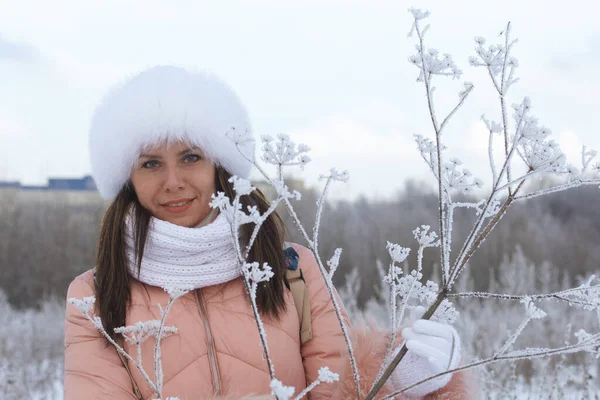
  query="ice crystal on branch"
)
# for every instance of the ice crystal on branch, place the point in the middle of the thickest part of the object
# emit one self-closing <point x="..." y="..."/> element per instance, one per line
<point x="255" y="274"/>
<point x="409" y="287"/>
<point x="233" y="210"/>
<point x="280" y="391"/>
<point x="140" y="331"/>
<point x="496" y="58"/>
<point x="455" y="178"/>
<point x="533" y="146"/>
<point x="283" y="191"/>
<point x="240" y="137"/>
<point x="432" y="63"/>
<point x="397" y="252"/>
<point x="335" y="175"/>
<point x="283" y="152"/>
<point x="326" y="376"/>
<point x="84" y="305"/>
<point x="176" y="292"/>
<point x="492" y="126"/>
<point x="531" y="310"/>
<point x="241" y="186"/>
<point x="220" y="201"/>
<point x="429" y="61"/>
<point x="334" y="261"/>
<point x="587" y="156"/>
<point x="418" y="15"/>
<point x="426" y="238"/>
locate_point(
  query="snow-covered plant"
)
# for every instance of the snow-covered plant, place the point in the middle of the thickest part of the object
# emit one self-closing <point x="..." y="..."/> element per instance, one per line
<point x="524" y="140"/>
<point x="281" y="152"/>
<point x="136" y="335"/>
<point x="540" y="155"/>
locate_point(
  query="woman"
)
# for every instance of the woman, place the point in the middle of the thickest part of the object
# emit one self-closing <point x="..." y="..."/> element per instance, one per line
<point x="158" y="150"/>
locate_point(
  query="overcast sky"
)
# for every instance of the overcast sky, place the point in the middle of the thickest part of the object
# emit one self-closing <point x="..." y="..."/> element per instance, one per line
<point x="332" y="74"/>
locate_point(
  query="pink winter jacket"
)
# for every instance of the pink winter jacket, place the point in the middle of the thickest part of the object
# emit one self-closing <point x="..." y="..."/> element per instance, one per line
<point x="217" y="349"/>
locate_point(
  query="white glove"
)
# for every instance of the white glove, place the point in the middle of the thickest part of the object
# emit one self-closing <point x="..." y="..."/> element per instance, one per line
<point x="433" y="348"/>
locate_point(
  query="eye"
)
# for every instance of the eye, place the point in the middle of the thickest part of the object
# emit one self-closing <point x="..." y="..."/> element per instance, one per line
<point x="150" y="164"/>
<point x="191" y="158"/>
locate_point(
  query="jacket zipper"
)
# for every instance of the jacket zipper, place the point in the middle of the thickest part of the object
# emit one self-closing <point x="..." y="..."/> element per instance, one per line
<point x="214" y="366"/>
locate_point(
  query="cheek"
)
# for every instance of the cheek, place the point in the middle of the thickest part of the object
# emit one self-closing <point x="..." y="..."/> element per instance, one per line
<point x="205" y="183"/>
<point x="206" y="186"/>
<point x="145" y="191"/>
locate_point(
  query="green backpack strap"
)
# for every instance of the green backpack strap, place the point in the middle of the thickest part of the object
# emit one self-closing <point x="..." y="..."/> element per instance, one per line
<point x="297" y="286"/>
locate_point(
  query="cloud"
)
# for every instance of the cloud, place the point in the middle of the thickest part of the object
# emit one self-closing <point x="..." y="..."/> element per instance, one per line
<point x="378" y="164"/>
<point x="19" y="52"/>
<point x="581" y="56"/>
<point x="11" y="127"/>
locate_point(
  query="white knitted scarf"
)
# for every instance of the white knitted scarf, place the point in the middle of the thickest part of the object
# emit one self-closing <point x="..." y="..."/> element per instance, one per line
<point x="176" y="256"/>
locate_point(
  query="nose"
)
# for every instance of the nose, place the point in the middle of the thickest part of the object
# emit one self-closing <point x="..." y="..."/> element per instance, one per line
<point x="174" y="180"/>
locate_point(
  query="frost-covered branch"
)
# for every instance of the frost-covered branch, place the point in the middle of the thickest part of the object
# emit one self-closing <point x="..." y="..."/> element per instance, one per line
<point x="251" y="272"/>
<point x="559" y="188"/>
<point x="430" y="63"/>
<point x="285" y="154"/>
<point x="136" y="335"/>
<point x="529" y="140"/>
<point x="586" y="342"/>
<point x="585" y="295"/>
<point x="325" y="376"/>
<point x="590" y="343"/>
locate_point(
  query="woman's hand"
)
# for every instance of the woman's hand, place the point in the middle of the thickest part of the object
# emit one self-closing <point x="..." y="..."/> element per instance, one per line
<point x="433" y="348"/>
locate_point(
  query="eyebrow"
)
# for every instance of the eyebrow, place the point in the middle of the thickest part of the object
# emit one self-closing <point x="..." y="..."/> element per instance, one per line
<point x="182" y="152"/>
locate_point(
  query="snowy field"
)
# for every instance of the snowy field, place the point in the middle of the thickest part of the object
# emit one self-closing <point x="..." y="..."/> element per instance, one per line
<point x="31" y="352"/>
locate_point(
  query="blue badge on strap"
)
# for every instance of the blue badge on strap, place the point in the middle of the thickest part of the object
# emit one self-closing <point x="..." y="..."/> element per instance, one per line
<point x="291" y="258"/>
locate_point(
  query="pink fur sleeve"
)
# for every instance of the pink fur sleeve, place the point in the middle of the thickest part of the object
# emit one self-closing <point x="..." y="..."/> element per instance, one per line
<point x="369" y="343"/>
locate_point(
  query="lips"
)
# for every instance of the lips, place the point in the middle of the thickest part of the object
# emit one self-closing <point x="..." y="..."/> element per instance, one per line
<point x="176" y="203"/>
<point x="178" y="206"/>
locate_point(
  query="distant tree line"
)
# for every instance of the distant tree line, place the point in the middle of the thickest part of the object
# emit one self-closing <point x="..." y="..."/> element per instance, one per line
<point x="48" y="238"/>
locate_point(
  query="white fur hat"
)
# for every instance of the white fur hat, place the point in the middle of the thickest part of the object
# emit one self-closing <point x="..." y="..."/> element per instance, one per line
<point x="167" y="103"/>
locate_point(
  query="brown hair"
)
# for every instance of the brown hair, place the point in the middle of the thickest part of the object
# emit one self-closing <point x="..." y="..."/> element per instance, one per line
<point x="113" y="293"/>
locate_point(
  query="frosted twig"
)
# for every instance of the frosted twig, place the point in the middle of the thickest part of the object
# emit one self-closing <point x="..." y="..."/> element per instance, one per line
<point x="542" y="169"/>
<point x="320" y="203"/>
<point x="338" y="176"/>
<point x="584" y="295"/>
<point x="249" y="286"/>
<point x="475" y="242"/>
<point x="158" y="370"/>
<point x="462" y="97"/>
<point x="502" y="94"/>
<point x="398" y="255"/>
<point x="587" y="156"/>
<point x="559" y="188"/>
<point x="139" y="332"/>
<point x="286" y="201"/>
<point x="529" y="353"/>
<point x="492" y="127"/>
<point x="532" y="312"/>
<point x="258" y="225"/>
<point x="334" y="175"/>
<point x="325" y="376"/>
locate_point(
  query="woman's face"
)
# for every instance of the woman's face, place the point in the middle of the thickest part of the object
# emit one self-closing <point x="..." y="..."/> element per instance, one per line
<point x="175" y="183"/>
